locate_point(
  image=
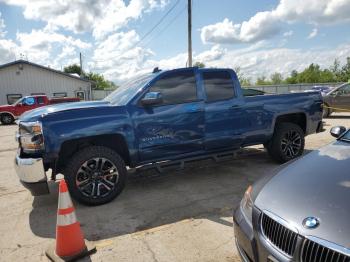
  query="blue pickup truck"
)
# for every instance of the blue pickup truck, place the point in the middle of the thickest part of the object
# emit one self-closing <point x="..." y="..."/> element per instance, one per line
<point x="154" y="118"/>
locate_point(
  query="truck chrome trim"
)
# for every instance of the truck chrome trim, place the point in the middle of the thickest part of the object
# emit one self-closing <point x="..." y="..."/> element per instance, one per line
<point x="30" y="170"/>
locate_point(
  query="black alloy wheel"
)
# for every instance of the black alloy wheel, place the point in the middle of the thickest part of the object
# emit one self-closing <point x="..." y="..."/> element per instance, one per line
<point x="287" y="142"/>
<point x="95" y="175"/>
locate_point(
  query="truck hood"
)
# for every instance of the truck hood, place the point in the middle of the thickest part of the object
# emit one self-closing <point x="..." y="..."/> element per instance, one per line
<point x="6" y="108"/>
<point x="37" y="113"/>
<point x="317" y="185"/>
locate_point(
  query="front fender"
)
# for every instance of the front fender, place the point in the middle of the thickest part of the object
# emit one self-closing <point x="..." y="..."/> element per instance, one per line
<point x="63" y="127"/>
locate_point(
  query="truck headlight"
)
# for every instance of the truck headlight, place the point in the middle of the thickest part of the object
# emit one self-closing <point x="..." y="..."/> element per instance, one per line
<point x="247" y="204"/>
<point x="31" y="136"/>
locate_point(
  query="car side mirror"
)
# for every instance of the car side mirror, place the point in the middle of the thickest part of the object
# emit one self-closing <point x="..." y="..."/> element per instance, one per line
<point x="337" y="131"/>
<point x="152" y="98"/>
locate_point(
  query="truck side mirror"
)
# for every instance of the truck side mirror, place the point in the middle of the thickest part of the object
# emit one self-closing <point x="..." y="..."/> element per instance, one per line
<point x="152" y="98"/>
<point x="337" y="131"/>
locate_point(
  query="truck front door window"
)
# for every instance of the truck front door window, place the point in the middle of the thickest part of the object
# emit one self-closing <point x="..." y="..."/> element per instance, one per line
<point x="176" y="87"/>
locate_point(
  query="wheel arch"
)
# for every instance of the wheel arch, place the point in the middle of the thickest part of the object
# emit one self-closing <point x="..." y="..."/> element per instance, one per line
<point x="9" y="113"/>
<point x="294" y="118"/>
<point x="116" y="142"/>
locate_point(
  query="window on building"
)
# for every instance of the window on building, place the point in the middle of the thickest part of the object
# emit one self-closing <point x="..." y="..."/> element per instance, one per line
<point x="218" y="85"/>
<point x="177" y="87"/>
<point x="12" y="98"/>
<point x="60" y="94"/>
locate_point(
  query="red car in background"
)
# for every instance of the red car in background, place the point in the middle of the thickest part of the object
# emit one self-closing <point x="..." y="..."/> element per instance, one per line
<point x="9" y="113"/>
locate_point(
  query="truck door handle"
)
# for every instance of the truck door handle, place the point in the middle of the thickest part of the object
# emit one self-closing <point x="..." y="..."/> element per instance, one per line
<point x="235" y="106"/>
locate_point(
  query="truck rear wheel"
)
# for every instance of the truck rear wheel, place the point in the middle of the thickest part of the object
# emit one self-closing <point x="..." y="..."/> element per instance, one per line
<point x="95" y="175"/>
<point x="287" y="143"/>
<point x="326" y="111"/>
<point x="7" y="119"/>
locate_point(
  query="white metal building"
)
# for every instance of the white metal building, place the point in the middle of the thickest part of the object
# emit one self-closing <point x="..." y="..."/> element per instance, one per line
<point x="21" y="78"/>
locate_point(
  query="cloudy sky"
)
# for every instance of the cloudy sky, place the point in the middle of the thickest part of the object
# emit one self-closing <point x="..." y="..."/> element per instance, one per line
<point x="120" y="38"/>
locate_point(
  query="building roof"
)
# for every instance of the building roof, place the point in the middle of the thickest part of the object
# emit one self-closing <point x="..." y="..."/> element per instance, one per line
<point x="42" y="67"/>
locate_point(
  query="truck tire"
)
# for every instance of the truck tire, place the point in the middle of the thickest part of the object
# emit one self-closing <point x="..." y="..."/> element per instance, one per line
<point x="95" y="175"/>
<point x="287" y="143"/>
<point x="326" y="112"/>
<point x="7" y="119"/>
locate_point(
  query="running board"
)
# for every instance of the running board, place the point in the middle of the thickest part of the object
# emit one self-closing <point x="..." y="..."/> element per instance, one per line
<point x="164" y="166"/>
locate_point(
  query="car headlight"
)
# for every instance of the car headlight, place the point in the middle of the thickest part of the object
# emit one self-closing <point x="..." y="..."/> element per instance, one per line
<point x="247" y="204"/>
<point x="31" y="137"/>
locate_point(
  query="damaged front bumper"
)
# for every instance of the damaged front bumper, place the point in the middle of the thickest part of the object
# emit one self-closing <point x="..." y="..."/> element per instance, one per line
<point x="32" y="175"/>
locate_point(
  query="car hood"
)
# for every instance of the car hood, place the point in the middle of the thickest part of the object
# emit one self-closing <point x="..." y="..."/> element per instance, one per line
<point x="37" y="113"/>
<point x="316" y="185"/>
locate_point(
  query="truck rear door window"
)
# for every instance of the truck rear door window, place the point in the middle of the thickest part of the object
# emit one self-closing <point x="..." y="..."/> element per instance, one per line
<point x="177" y="87"/>
<point x="40" y="100"/>
<point x="218" y="85"/>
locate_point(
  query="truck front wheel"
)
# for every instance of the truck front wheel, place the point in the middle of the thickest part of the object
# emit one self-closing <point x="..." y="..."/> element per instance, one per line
<point x="287" y="143"/>
<point x="95" y="175"/>
<point x="7" y="119"/>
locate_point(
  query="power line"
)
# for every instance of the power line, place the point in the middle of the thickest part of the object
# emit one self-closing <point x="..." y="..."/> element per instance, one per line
<point x="167" y="26"/>
<point x="148" y="33"/>
<point x="160" y="21"/>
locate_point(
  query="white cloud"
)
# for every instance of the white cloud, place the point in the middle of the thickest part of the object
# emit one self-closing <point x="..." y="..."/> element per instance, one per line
<point x="313" y="33"/>
<point x="7" y="51"/>
<point x="268" y="23"/>
<point x="49" y="47"/>
<point x="215" y="53"/>
<point x="267" y="61"/>
<point x="288" y="33"/>
<point x="118" y="56"/>
<point x="99" y="17"/>
<point x="2" y="27"/>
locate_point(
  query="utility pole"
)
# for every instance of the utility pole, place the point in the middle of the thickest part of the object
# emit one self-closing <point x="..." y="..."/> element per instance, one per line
<point x="81" y="65"/>
<point x="189" y="33"/>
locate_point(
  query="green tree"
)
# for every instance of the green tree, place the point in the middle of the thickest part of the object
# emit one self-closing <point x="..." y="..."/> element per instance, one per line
<point x="199" y="64"/>
<point x="293" y="78"/>
<point x="262" y="80"/>
<point x="245" y="81"/>
<point x="336" y="69"/>
<point x="345" y="71"/>
<point x="276" y="78"/>
<point x="100" y="81"/>
<point x="73" y="69"/>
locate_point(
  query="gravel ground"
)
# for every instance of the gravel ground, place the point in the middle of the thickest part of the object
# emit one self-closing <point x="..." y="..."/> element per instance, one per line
<point x="179" y="216"/>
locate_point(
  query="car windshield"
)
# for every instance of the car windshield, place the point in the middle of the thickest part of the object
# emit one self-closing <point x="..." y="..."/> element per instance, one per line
<point x="346" y="137"/>
<point x="127" y="91"/>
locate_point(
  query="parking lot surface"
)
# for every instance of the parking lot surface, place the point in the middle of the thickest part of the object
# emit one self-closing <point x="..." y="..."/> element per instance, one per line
<point x="178" y="216"/>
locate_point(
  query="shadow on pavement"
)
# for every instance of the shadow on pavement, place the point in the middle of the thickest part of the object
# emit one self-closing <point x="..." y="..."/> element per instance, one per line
<point x="204" y="189"/>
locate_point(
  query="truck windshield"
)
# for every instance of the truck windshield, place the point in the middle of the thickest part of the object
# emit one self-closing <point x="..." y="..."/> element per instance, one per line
<point x="18" y="101"/>
<point x="127" y="91"/>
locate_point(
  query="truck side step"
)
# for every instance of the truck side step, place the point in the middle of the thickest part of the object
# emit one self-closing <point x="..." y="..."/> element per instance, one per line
<point x="162" y="167"/>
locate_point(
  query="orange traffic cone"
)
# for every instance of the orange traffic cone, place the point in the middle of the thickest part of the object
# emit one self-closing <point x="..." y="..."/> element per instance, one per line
<point x="70" y="244"/>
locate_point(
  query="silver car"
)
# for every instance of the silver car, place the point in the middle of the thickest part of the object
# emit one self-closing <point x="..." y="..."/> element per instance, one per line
<point x="301" y="212"/>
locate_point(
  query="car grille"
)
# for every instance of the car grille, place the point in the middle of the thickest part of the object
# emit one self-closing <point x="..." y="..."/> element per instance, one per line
<point x="281" y="237"/>
<point x="313" y="251"/>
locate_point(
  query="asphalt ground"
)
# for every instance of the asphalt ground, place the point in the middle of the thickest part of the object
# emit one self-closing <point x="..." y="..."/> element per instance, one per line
<point x="178" y="216"/>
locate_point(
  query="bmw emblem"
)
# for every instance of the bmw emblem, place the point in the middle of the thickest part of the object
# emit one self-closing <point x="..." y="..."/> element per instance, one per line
<point x="311" y="222"/>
